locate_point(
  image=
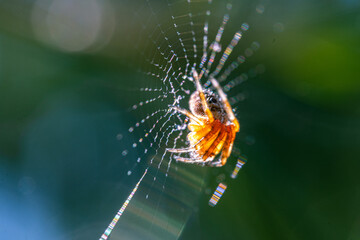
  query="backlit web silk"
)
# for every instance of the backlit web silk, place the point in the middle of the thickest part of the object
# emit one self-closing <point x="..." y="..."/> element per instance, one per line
<point x="171" y="39"/>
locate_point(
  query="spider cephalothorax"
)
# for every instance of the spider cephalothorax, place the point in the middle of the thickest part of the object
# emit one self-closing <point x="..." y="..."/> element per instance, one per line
<point x="214" y="104"/>
<point x="212" y="126"/>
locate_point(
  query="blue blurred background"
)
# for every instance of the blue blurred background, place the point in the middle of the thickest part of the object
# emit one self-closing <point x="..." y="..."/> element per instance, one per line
<point x="64" y="98"/>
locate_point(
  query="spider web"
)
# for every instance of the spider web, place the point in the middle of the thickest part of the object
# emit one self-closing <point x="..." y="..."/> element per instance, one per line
<point x="165" y="41"/>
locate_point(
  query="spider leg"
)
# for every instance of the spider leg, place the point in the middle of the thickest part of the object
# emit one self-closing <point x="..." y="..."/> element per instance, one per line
<point x="215" y="164"/>
<point x="202" y="97"/>
<point x="228" y="146"/>
<point x="205" y="142"/>
<point x="195" y="137"/>
<point x="180" y="150"/>
<point x="226" y="103"/>
<point x="194" y="127"/>
<point x="217" y="144"/>
<point x="188" y="160"/>
<point x="191" y="160"/>
<point x="188" y="114"/>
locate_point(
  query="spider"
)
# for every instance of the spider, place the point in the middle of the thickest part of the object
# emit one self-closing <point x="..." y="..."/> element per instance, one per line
<point x="212" y="126"/>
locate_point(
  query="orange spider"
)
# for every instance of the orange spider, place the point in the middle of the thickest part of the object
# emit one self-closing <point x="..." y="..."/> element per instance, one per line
<point x="212" y="126"/>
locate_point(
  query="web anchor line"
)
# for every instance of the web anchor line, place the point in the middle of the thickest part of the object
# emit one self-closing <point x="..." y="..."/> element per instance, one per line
<point x="111" y="226"/>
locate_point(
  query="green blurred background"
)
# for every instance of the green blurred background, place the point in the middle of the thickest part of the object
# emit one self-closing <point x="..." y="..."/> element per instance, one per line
<point x="63" y="102"/>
